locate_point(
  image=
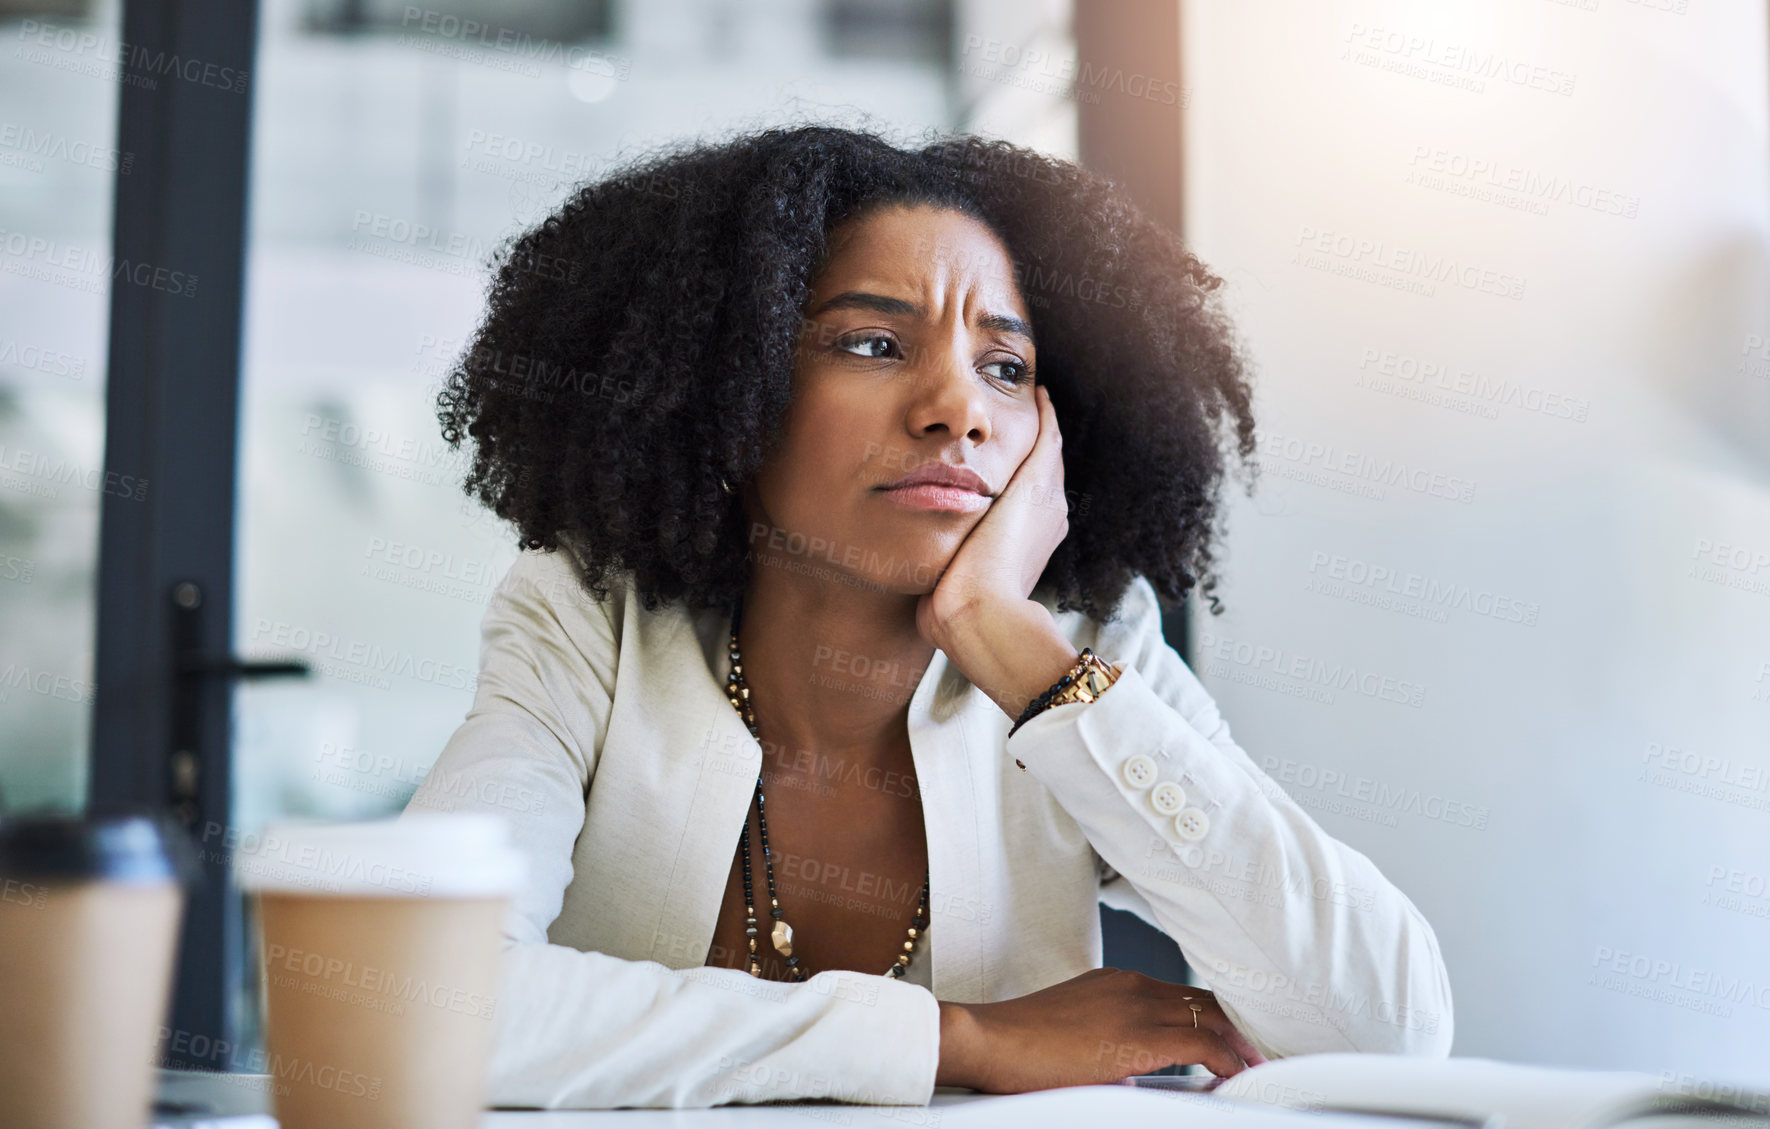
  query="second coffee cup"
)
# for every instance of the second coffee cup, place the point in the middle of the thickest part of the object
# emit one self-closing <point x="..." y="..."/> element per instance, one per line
<point x="380" y="959"/>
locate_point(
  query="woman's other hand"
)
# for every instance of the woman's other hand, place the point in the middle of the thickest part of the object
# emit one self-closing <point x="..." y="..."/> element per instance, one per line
<point x="1102" y="1026"/>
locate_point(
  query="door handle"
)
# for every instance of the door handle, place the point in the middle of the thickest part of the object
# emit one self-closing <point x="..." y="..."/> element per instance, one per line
<point x="193" y="670"/>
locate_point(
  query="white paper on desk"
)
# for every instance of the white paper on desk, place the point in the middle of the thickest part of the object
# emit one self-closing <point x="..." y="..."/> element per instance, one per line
<point x="1125" y="1107"/>
<point x="1479" y="1089"/>
<point x="1074" y="1107"/>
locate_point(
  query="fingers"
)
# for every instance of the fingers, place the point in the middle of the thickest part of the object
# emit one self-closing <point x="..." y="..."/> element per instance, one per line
<point x="1241" y="1044"/>
<point x="1178" y="1005"/>
<point x="1220" y="1059"/>
<point x="1049" y="442"/>
<point x="1048" y="416"/>
<point x="1036" y="488"/>
<point x="1218" y="1020"/>
<point x="1210" y="1050"/>
<point x="1040" y="475"/>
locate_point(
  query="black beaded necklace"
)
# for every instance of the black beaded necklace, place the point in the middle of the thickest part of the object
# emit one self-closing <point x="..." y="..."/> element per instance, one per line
<point x="738" y="691"/>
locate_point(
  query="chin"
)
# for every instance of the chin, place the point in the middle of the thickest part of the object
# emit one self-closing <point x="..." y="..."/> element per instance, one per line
<point x="906" y="571"/>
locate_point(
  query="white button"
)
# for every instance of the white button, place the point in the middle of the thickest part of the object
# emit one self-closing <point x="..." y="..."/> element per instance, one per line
<point x="1168" y="797"/>
<point x="1192" y="824"/>
<point x="1139" y="771"/>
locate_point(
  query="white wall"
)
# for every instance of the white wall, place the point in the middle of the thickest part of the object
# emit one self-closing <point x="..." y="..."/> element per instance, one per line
<point x="1580" y="415"/>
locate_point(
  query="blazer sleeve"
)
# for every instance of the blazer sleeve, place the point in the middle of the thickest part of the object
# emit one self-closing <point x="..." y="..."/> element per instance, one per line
<point x="1307" y="946"/>
<point x="576" y="1029"/>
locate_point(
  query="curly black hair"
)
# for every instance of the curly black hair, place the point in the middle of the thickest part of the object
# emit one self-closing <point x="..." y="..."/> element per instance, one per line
<point x="638" y="348"/>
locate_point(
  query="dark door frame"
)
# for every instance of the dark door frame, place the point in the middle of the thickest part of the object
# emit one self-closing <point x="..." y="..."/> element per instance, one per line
<point x="165" y="571"/>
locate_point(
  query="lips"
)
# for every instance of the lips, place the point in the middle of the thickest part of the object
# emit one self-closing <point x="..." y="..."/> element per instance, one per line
<point x="944" y="475"/>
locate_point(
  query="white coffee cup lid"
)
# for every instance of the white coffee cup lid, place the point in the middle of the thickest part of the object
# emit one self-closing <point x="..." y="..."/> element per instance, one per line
<point x="417" y="855"/>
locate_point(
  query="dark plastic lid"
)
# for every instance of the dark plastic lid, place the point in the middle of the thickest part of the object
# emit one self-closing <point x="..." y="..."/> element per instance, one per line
<point x="112" y="848"/>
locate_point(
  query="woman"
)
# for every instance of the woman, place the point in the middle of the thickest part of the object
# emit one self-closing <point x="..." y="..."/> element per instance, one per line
<point x="830" y="696"/>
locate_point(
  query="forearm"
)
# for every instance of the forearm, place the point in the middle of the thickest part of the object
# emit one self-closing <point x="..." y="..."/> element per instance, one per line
<point x="584" y="1030"/>
<point x="1012" y="650"/>
<point x="958" y="1046"/>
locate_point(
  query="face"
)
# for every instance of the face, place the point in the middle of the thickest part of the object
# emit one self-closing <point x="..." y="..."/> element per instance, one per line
<point x="916" y="359"/>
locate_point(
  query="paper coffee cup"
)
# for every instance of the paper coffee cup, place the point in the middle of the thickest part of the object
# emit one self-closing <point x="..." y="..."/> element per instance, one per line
<point x="381" y="947"/>
<point x="89" y="920"/>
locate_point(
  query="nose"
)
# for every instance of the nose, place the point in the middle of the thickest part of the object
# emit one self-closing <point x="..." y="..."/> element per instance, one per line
<point x="948" y="394"/>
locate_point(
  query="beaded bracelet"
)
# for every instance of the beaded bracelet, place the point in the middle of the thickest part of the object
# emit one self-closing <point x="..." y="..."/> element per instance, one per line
<point x="1086" y="660"/>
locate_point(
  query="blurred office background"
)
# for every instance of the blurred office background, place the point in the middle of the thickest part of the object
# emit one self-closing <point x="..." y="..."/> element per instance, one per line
<point x="1498" y="613"/>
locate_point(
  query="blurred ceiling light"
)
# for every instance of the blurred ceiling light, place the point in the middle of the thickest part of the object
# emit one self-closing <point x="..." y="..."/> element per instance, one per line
<point x="592" y="80"/>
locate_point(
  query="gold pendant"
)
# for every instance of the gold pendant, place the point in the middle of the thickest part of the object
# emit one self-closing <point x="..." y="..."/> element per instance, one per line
<point x="783" y="938"/>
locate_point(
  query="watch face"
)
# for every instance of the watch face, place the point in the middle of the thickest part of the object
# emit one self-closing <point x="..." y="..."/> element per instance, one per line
<point x="1098" y="678"/>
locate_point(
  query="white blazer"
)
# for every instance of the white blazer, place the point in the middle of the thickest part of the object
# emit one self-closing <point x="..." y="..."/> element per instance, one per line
<point x="603" y="733"/>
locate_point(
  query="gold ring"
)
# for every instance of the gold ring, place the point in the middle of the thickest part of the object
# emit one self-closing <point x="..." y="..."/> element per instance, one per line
<point x="1196" y="1008"/>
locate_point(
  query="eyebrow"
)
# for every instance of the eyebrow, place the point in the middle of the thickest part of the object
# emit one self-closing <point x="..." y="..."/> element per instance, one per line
<point x="879" y="303"/>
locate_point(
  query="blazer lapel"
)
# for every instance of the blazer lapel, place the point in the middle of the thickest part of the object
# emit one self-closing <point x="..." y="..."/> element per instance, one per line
<point x="719" y="761"/>
<point x="941" y="719"/>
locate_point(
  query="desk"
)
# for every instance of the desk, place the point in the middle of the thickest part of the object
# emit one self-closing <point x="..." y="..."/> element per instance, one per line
<point x="1077" y="1107"/>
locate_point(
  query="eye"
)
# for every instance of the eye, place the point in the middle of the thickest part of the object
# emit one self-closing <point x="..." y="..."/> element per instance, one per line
<point x="869" y="343"/>
<point x="1016" y="374"/>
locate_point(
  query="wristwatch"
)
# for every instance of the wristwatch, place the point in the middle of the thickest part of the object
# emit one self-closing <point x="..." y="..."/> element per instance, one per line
<point x="1085" y="681"/>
